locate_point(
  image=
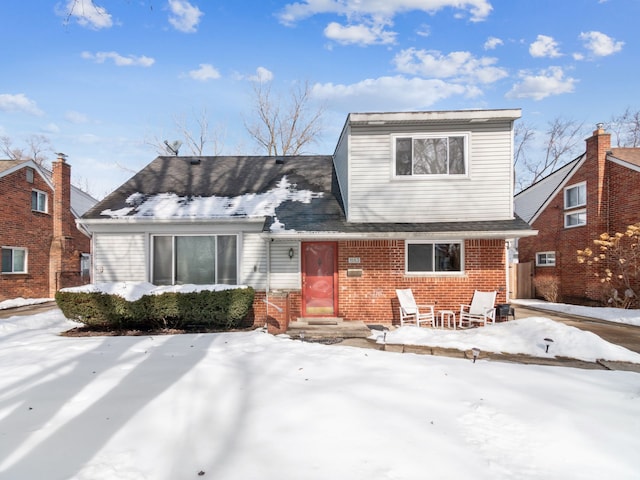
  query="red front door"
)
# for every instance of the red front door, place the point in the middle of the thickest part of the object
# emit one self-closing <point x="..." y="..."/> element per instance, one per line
<point x="319" y="279"/>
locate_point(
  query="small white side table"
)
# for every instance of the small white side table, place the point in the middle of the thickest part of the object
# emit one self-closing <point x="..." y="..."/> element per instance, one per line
<point x="449" y="316"/>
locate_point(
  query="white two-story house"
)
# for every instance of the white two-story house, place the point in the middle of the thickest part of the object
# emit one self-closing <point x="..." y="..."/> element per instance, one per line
<point x="419" y="200"/>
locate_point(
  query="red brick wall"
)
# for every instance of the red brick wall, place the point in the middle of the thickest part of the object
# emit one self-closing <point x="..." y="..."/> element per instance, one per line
<point x="21" y="227"/>
<point x="372" y="298"/>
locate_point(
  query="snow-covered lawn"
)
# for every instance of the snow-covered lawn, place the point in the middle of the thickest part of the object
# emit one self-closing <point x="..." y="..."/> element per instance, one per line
<point x="242" y="406"/>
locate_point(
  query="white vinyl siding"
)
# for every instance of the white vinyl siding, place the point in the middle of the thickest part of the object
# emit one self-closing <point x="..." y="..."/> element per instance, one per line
<point x="119" y="258"/>
<point x="253" y="261"/>
<point x="484" y="193"/>
<point x="285" y="270"/>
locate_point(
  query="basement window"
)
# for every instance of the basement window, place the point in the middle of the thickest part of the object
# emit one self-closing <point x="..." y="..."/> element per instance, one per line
<point x="546" y="259"/>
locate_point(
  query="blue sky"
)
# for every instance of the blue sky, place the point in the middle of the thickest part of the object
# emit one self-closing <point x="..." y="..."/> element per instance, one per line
<point x="100" y="84"/>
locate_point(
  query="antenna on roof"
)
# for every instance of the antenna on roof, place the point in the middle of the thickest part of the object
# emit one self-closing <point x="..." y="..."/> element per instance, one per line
<point x="173" y="147"/>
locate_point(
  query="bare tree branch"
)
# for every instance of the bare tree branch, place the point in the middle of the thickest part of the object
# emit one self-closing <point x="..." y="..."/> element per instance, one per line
<point x="284" y="129"/>
<point x="626" y="128"/>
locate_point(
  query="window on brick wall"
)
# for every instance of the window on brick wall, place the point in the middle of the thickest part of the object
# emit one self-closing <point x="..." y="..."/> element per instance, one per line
<point x="575" y="218"/>
<point x="434" y="257"/>
<point x="14" y="260"/>
<point x="575" y="196"/>
<point x="545" y="259"/>
<point x="38" y="201"/>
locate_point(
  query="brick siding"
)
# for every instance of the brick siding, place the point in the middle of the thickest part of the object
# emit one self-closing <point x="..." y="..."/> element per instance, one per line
<point x="24" y="228"/>
<point x="372" y="297"/>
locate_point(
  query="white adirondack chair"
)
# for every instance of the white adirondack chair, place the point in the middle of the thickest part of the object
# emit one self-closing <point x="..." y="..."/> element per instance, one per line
<point x="410" y="312"/>
<point x="481" y="310"/>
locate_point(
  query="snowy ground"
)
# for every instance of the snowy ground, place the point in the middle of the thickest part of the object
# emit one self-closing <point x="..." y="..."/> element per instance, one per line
<point x="243" y="406"/>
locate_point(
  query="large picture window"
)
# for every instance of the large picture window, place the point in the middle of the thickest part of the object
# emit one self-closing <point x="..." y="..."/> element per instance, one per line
<point x="431" y="257"/>
<point x="430" y="155"/>
<point x="14" y="260"/>
<point x="196" y="259"/>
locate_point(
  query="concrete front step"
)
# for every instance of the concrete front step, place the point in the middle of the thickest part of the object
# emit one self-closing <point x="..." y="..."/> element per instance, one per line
<point x="315" y="329"/>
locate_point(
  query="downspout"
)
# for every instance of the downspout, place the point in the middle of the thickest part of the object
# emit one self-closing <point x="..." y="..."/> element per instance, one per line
<point x="507" y="276"/>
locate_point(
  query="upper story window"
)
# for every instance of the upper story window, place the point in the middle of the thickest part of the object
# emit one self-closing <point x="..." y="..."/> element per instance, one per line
<point x="14" y="260"/>
<point x="432" y="257"/>
<point x="545" y="259"/>
<point x="575" y="196"/>
<point x="575" y="218"/>
<point x="38" y="201"/>
<point x="430" y="155"/>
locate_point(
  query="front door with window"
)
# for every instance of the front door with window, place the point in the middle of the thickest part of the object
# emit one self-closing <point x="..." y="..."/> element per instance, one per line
<point x="319" y="279"/>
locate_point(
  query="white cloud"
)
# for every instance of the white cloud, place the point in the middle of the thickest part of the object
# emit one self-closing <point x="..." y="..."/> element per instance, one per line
<point x="204" y="73"/>
<point x="456" y="65"/>
<point x="86" y="13"/>
<point x="184" y="16"/>
<point x="359" y="34"/>
<point x="599" y="44"/>
<point x="478" y="10"/>
<point x="262" y="75"/>
<point x="389" y="93"/>
<point x="548" y="82"/>
<point x="544" y="46"/>
<point x="492" y="43"/>
<point x="119" y="60"/>
<point x="76" y="117"/>
<point x="424" y="30"/>
<point x="19" y="103"/>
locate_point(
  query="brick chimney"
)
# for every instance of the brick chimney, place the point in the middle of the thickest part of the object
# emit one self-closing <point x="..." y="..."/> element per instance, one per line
<point x="62" y="257"/>
<point x="597" y="182"/>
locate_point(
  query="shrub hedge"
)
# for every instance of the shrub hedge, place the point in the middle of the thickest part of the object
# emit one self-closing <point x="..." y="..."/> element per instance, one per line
<point x="224" y="309"/>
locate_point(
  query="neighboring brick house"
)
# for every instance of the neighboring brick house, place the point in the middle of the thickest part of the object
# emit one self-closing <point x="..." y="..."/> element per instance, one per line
<point x="595" y="193"/>
<point x="42" y="248"/>
<point x="417" y="199"/>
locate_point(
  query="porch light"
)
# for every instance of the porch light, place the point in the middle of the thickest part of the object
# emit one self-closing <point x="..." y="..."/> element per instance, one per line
<point x="291" y="253"/>
<point x="548" y="341"/>
<point x="476" y="353"/>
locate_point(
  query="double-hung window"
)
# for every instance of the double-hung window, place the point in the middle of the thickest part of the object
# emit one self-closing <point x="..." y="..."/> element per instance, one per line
<point x="434" y="257"/>
<point x="575" y="197"/>
<point x="195" y="259"/>
<point x="14" y="260"/>
<point x="430" y="155"/>
<point x="38" y="201"/>
<point x="546" y="259"/>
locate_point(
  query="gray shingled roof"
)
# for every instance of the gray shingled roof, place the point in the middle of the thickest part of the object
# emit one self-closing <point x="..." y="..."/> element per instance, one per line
<point x="230" y="176"/>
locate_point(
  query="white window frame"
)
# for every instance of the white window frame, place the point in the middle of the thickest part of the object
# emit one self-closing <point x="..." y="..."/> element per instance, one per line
<point x="433" y="273"/>
<point x="572" y="213"/>
<point x="434" y="135"/>
<point x="581" y="185"/>
<point x="26" y="260"/>
<point x="40" y="194"/>
<point x="545" y="259"/>
<point x="173" y="250"/>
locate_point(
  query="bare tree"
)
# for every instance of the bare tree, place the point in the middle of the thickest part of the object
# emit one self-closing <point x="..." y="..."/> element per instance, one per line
<point x="560" y="141"/>
<point x="36" y="148"/>
<point x="626" y="128"/>
<point x="284" y="128"/>
<point x="195" y="134"/>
